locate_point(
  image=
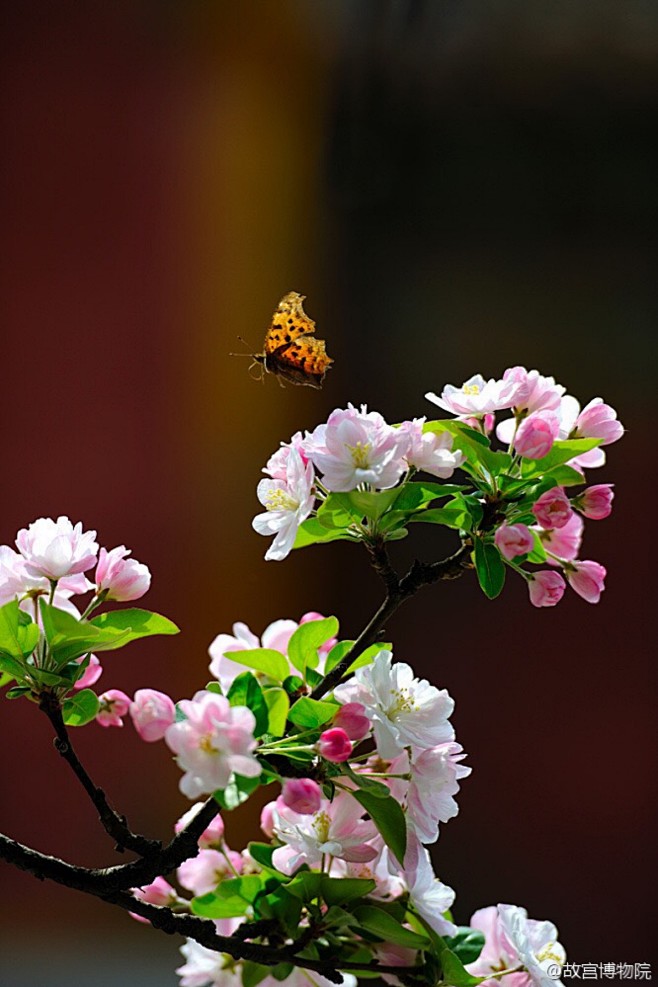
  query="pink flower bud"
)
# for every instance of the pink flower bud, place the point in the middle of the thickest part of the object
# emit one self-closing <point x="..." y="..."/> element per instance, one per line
<point x="351" y="717"/>
<point x="598" y="421"/>
<point x="514" y="539"/>
<point x="587" y="579"/>
<point x="121" y="578"/>
<point x="335" y="745"/>
<point x="157" y="893"/>
<point x="595" y="502"/>
<point x="302" y="795"/>
<point x="546" y="588"/>
<point x="211" y="836"/>
<point x="553" y="508"/>
<point x="267" y="819"/>
<point x="536" y="434"/>
<point x="113" y="705"/>
<point x="152" y="712"/>
<point x="91" y="674"/>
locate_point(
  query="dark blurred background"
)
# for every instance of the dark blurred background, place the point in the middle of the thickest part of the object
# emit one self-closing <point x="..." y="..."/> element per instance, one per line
<point x="457" y="187"/>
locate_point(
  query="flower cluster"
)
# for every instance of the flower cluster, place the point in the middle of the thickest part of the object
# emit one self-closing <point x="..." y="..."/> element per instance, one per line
<point x="352" y="478"/>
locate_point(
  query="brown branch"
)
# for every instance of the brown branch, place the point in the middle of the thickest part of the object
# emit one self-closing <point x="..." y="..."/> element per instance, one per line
<point x="420" y="574"/>
<point x="114" y="824"/>
<point x="201" y="930"/>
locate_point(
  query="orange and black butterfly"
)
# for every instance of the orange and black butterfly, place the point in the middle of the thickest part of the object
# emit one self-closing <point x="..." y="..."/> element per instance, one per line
<point x="290" y="351"/>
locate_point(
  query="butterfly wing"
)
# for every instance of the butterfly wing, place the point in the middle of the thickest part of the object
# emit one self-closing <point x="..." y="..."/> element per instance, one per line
<point x="303" y="361"/>
<point x="289" y="322"/>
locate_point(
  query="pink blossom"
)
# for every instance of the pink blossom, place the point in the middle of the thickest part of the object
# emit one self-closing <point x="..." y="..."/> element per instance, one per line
<point x="267" y="818"/>
<point x="334" y="745"/>
<point x="587" y="579"/>
<point x="595" y="502"/>
<point x="598" y="421"/>
<point x="336" y="830"/>
<point x="553" y="508"/>
<point x="514" y="539"/>
<point x="429" y="794"/>
<point x="536" y="434"/>
<point x="389" y="885"/>
<point x="277" y="464"/>
<point x="405" y="711"/>
<point x="158" y="893"/>
<point x="565" y="541"/>
<point x="289" y="502"/>
<point x="209" y="868"/>
<point x="360" y="448"/>
<point x="152" y="712"/>
<point x="214" y="741"/>
<point x="119" y="577"/>
<point x="275" y="636"/>
<point x="212" y="834"/>
<point x="17" y="582"/>
<point x="91" y="674"/>
<point x="114" y="704"/>
<point x="475" y="397"/>
<point x="302" y="795"/>
<point x="546" y="588"/>
<point x="529" y="391"/>
<point x="512" y="940"/>
<point x="205" y="967"/>
<point x="351" y="717"/>
<point x="430" y="452"/>
<point x="427" y="895"/>
<point x="56" y="548"/>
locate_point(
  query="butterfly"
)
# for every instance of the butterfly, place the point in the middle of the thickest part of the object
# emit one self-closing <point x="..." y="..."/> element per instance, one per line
<point x="290" y="351"/>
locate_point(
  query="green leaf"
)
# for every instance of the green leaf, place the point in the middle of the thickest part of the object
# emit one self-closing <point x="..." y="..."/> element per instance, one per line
<point x="11" y="667"/>
<point x="305" y="885"/>
<point x="454" y="972"/>
<point x="467" y="944"/>
<point x="375" y="788"/>
<point x="451" y="516"/>
<point x="490" y="568"/>
<point x="245" y="691"/>
<point x="313" y="531"/>
<point x="18" y="637"/>
<point x="566" y="476"/>
<point x="278" y="705"/>
<point x="368" y="656"/>
<point x="415" y="496"/>
<point x="338" y="890"/>
<point x="214" y="687"/>
<point x="237" y="791"/>
<point x="137" y="623"/>
<point x="561" y="452"/>
<point x="231" y="899"/>
<point x="253" y="973"/>
<point x="305" y="641"/>
<point x="69" y="638"/>
<point x="310" y="713"/>
<point x="282" y="906"/>
<point x="385" y="927"/>
<point x="262" y="854"/>
<point x="5" y="678"/>
<point x="271" y="663"/>
<point x="473" y="444"/>
<point x="337" y="654"/>
<point x="389" y="819"/>
<point x="538" y="555"/>
<point x="18" y="691"/>
<point x="80" y="708"/>
<point x="372" y="504"/>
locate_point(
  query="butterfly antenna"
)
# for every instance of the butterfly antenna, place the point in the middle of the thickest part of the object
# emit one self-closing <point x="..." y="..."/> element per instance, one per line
<point x="246" y="345"/>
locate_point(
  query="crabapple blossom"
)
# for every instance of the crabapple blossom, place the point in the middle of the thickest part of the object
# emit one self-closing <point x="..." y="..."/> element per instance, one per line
<point x="404" y="710"/>
<point x="530" y="391"/>
<point x="91" y="674"/>
<point x="205" y="967"/>
<point x="598" y="421"/>
<point x="388" y="882"/>
<point x="214" y="741"/>
<point x="152" y="712"/>
<point x="427" y="894"/>
<point x="595" y="502"/>
<point x="565" y="541"/>
<point x="267" y="819"/>
<point x="276" y="465"/>
<point x="513" y="940"/>
<point x="212" y="834"/>
<point x="546" y="588"/>
<point x="475" y="397"/>
<point x="336" y="830"/>
<point x="288" y="501"/>
<point x="514" y="539"/>
<point x="435" y="776"/>
<point x="114" y="704"/>
<point x="430" y="452"/>
<point x="159" y="892"/>
<point x="587" y="579"/>
<point x="335" y="745"/>
<point x="119" y="577"/>
<point x="360" y="448"/>
<point x="553" y="508"/>
<point x="17" y="582"/>
<point x="351" y="717"/>
<point x="536" y="434"/>
<point x="56" y="548"/>
<point x="209" y="868"/>
<point x="302" y="795"/>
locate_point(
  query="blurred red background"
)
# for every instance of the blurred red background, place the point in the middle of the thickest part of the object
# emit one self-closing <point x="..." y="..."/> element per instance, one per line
<point x="456" y="188"/>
